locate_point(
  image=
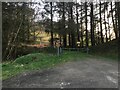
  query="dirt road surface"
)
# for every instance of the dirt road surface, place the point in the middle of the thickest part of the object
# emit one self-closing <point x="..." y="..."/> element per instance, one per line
<point x="88" y="73"/>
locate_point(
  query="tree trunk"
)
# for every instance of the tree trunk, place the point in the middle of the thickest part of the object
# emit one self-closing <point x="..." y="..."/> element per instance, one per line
<point x="77" y="15"/>
<point x="23" y="24"/>
<point x="109" y="38"/>
<point x="92" y="26"/>
<point x="28" y="32"/>
<point x="69" y="29"/>
<point x="60" y="40"/>
<point x="86" y="24"/>
<point x="118" y="27"/>
<point x="101" y="32"/>
<point x="81" y="29"/>
<point x="118" y="14"/>
<point x="105" y="23"/>
<point x="69" y="37"/>
<point x="64" y="34"/>
<point x="72" y="27"/>
<point x="114" y="27"/>
<point x="51" y="25"/>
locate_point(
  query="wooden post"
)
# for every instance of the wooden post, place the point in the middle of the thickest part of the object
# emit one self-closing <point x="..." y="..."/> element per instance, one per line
<point x="58" y="51"/>
<point x="58" y="47"/>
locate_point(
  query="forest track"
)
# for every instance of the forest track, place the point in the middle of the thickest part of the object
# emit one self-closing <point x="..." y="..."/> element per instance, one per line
<point x="88" y="73"/>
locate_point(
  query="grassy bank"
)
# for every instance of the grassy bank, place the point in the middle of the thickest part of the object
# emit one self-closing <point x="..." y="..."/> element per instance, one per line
<point x="107" y="50"/>
<point x="37" y="61"/>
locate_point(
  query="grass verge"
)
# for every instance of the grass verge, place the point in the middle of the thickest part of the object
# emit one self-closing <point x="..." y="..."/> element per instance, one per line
<point x="38" y="61"/>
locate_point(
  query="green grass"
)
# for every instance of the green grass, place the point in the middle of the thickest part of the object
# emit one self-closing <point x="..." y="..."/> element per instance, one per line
<point x="37" y="61"/>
